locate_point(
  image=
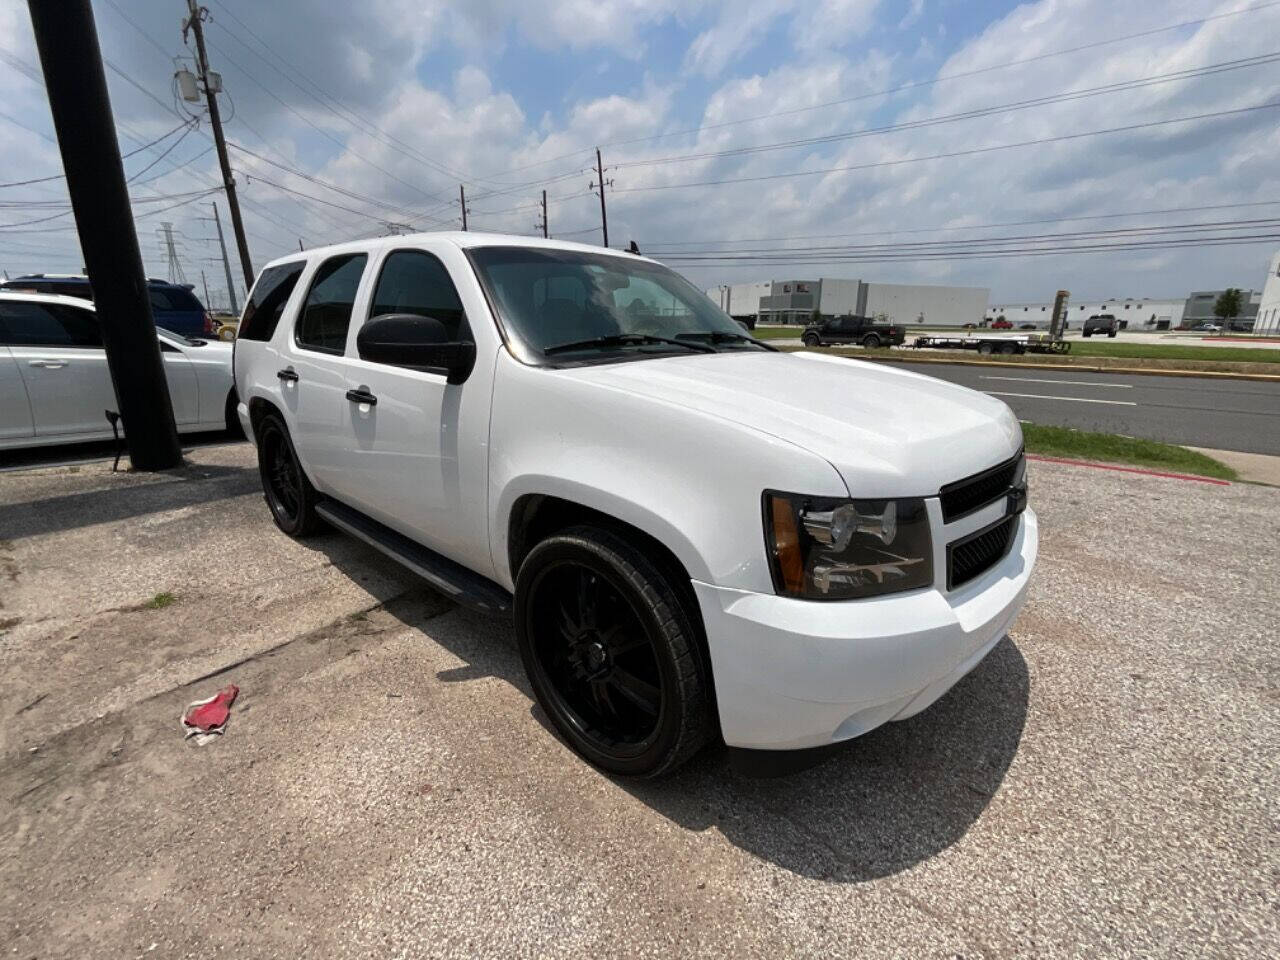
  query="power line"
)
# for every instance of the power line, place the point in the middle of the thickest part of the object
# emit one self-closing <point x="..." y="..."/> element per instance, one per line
<point x="350" y="194"/>
<point x="974" y="151"/>
<point x="999" y="254"/>
<point x="1065" y="97"/>
<point x="324" y="133"/>
<point x="330" y="103"/>
<point x="903" y="87"/>
<point x="659" y="245"/>
<point x="767" y="253"/>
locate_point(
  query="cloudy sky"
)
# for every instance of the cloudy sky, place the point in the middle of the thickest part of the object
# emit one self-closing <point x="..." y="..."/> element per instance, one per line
<point x="347" y="117"/>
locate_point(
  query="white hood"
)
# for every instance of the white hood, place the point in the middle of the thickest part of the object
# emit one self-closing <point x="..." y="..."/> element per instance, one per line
<point x="889" y="432"/>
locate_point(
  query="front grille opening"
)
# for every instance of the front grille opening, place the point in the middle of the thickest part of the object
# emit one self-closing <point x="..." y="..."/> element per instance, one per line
<point x="978" y="552"/>
<point x="972" y="493"/>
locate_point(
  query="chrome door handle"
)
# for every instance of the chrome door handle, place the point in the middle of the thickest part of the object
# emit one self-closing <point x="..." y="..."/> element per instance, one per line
<point x="47" y="364"/>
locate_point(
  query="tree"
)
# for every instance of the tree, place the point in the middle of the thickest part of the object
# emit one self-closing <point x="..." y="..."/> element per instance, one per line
<point x="1228" y="305"/>
<point x="816" y="316"/>
<point x="1000" y="319"/>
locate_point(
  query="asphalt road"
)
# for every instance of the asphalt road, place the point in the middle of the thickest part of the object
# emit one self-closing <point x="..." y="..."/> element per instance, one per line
<point x="1202" y="412"/>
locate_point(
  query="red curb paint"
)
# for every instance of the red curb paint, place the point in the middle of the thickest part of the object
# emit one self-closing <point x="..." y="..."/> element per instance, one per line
<point x="1145" y="473"/>
<point x="1245" y="339"/>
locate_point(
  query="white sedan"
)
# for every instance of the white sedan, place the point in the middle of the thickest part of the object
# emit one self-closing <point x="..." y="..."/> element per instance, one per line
<point x="55" y="386"/>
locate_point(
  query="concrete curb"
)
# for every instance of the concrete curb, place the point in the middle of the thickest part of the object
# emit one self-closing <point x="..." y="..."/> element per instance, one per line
<point x="1079" y="367"/>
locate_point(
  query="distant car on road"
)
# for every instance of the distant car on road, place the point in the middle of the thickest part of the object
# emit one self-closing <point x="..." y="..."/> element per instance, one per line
<point x="1001" y="325"/>
<point x="863" y="330"/>
<point x="1026" y="326"/>
<point x="1101" y="323"/>
<point x="55" y="386"/>
<point x="1206" y="327"/>
<point x="173" y="305"/>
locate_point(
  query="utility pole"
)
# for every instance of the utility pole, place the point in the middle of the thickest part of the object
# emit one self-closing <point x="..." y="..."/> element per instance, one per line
<point x="226" y="264"/>
<point x="544" y="215"/>
<point x="205" y="283"/>
<point x="193" y="22"/>
<point x="71" y="59"/>
<point x="300" y="245"/>
<point x="462" y="198"/>
<point x="600" y="184"/>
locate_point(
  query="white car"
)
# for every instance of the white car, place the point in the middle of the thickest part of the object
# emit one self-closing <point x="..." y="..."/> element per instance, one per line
<point x="55" y="386"/>
<point x="696" y="535"/>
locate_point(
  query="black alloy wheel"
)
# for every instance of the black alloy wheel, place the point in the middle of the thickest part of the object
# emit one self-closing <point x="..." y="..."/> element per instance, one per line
<point x="871" y="340"/>
<point x="288" y="492"/>
<point x="609" y="649"/>
<point x="810" y="340"/>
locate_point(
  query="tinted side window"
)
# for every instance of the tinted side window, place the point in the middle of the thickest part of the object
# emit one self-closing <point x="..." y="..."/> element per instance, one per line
<point x="47" y="325"/>
<point x="415" y="282"/>
<point x="326" y="314"/>
<point x="173" y="298"/>
<point x="267" y="301"/>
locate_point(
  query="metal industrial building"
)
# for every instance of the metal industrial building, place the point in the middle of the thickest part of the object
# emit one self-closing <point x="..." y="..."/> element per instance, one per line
<point x="794" y="301"/>
<point x="1269" y="303"/>
<point x="1200" y="306"/>
<point x="1134" y="313"/>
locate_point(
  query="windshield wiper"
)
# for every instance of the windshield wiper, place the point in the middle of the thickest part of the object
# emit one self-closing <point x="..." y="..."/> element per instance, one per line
<point x="623" y="340"/>
<point x="720" y="336"/>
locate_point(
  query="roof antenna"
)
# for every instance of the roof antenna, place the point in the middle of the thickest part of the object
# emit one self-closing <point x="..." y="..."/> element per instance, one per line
<point x="632" y="248"/>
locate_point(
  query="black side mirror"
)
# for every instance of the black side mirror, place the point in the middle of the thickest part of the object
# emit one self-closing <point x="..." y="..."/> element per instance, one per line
<point x="417" y="343"/>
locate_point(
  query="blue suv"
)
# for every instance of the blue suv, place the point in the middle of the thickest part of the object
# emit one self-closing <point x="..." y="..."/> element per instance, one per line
<point x="175" y="307"/>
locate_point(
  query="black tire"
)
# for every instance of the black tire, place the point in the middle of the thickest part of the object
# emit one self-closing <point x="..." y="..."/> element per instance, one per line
<point x="1008" y="348"/>
<point x="289" y="493"/>
<point x="811" y="340"/>
<point x="985" y="349"/>
<point x="1111" y="334"/>
<point x="234" y="430"/>
<point x="611" y="653"/>
<point x="1085" y="333"/>
<point x="871" y="341"/>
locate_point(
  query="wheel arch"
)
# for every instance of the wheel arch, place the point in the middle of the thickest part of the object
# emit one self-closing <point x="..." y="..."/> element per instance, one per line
<point x="535" y="516"/>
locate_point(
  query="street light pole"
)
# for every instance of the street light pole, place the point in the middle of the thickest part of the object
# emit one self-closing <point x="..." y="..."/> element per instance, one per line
<point x="71" y="59"/>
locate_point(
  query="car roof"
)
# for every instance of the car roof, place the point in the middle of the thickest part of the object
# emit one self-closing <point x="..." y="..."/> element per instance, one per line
<point x="78" y="278"/>
<point x="463" y="239"/>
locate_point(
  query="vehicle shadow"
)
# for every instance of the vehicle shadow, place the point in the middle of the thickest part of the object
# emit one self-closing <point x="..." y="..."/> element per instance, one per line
<point x="890" y="800"/>
<point x="181" y="487"/>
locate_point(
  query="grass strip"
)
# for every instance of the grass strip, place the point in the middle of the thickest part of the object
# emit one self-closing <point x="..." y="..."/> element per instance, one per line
<point x="1111" y="448"/>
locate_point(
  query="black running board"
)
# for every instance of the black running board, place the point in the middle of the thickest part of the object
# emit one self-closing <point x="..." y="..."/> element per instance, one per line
<point x="463" y="586"/>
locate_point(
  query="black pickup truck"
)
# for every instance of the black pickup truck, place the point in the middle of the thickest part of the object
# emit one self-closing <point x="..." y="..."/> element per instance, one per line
<point x="863" y="330"/>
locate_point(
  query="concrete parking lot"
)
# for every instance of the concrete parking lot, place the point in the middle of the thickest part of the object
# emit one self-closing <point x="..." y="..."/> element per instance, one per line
<point x="1106" y="783"/>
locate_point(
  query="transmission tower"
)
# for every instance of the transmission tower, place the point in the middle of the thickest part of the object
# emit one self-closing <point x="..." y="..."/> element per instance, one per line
<point x="175" y="267"/>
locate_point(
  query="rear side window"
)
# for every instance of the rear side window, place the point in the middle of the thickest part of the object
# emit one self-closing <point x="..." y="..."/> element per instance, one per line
<point x="415" y="282"/>
<point x="47" y="325"/>
<point x="174" y="298"/>
<point x="326" y="314"/>
<point x="267" y="301"/>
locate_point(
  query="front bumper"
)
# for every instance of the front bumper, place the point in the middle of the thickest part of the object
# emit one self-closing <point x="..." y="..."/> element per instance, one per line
<point x="795" y="674"/>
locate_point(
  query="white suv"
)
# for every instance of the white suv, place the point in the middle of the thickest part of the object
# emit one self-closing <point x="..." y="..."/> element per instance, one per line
<point x="696" y="535"/>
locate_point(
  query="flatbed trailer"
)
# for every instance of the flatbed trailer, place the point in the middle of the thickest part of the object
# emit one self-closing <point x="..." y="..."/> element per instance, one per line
<point x="1033" y="343"/>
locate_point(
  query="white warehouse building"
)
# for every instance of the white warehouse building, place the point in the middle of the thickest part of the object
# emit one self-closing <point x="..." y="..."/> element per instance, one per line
<point x="1268" y="320"/>
<point x="794" y="301"/>
<point x="1133" y="313"/>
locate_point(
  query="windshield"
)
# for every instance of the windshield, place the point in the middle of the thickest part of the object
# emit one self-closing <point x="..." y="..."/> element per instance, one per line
<point x="576" y="305"/>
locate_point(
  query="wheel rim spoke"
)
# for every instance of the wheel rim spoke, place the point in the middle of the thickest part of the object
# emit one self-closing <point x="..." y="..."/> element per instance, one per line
<point x="640" y="693"/>
<point x="581" y="624"/>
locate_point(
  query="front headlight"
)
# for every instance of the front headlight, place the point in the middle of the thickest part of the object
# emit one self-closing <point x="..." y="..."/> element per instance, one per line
<point x="825" y="549"/>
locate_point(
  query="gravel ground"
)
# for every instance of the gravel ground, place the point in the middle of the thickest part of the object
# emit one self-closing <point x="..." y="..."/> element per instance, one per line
<point x="1105" y="783"/>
